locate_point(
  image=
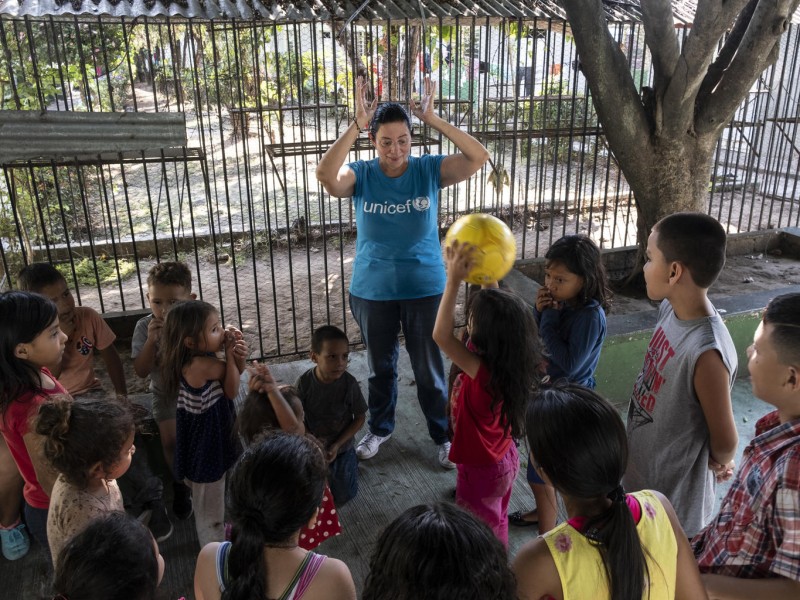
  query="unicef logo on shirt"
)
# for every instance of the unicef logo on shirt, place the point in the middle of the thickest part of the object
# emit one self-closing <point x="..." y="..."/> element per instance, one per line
<point x="422" y="203"/>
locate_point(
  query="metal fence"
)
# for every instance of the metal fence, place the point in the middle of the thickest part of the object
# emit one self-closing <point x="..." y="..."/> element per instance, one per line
<point x="262" y="101"/>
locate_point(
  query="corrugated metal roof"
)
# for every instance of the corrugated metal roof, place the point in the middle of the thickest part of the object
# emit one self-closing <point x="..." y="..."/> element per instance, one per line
<point x="309" y="10"/>
<point x="28" y="134"/>
<point x="326" y="10"/>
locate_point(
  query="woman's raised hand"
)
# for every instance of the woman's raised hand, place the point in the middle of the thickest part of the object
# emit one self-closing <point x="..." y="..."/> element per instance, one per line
<point x="424" y="110"/>
<point x="364" y="108"/>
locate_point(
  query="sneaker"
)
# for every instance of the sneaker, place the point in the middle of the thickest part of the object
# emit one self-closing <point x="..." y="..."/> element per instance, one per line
<point x="15" y="541"/>
<point x="181" y="501"/>
<point x="444" y="456"/>
<point x="159" y="523"/>
<point x="369" y="444"/>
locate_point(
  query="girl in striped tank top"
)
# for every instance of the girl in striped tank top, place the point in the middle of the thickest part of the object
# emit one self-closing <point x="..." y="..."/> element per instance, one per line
<point x="205" y="386"/>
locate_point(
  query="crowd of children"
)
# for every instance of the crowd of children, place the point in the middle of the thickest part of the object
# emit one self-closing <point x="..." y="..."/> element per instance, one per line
<point x="526" y="376"/>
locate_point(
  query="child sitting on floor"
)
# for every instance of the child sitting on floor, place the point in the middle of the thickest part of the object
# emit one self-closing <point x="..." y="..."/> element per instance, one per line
<point x="334" y="408"/>
<point x="267" y="408"/>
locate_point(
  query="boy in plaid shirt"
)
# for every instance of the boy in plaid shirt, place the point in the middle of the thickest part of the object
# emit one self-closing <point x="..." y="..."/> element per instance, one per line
<point x="752" y="548"/>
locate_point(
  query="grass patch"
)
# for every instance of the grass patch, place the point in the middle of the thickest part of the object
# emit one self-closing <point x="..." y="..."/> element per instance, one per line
<point x="106" y="270"/>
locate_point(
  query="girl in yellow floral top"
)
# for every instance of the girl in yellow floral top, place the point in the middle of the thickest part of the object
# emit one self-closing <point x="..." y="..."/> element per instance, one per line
<point x="614" y="545"/>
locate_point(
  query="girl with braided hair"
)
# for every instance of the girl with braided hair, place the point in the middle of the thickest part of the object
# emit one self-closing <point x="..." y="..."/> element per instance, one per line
<point x="276" y="489"/>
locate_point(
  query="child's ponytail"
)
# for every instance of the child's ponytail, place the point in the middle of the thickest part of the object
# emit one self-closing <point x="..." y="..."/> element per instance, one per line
<point x="53" y="423"/>
<point x="615" y="536"/>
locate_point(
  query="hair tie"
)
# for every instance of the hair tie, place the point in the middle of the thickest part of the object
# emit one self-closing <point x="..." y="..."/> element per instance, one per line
<point x="60" y="597"/>
<point x="617" y="494"/>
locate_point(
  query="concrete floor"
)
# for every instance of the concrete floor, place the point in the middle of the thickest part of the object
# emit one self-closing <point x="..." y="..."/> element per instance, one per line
<point x="404" y="473"/>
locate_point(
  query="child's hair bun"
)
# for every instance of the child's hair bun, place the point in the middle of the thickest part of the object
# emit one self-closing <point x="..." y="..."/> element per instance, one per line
<point x="53" y="423"/>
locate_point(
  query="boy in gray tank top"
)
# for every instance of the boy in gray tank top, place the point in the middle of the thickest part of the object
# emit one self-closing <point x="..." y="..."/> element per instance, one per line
<point x="681" y="430"/>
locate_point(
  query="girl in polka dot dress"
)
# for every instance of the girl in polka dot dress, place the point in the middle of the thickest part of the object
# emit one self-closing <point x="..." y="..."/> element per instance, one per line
<point x="205" y="386"/>
<point x="269" y="407"/>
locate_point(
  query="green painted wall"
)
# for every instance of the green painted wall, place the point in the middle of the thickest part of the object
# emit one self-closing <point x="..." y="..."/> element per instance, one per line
<point x="623" y="355"/>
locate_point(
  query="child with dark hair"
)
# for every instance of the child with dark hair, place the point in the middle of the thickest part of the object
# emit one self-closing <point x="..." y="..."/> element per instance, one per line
<point x="614" y="545"/>
<point x="752" y="548"/>
<point x="680" y="418"/>
<point x="571" y="312"/>
<point x="30" y="339"/>
<point x="113" y="558"/>
<point x="500" y="364"/>
<point x="275" y="490"/>
<point x="438" y="552"/>
<point x="90" y="444"/>
<point x="205" y="386"/>
<point x="86" y="332"/>
<point x="167" y="283"/>
<point x="334" y="408"/>
<point x="269" y="407"/>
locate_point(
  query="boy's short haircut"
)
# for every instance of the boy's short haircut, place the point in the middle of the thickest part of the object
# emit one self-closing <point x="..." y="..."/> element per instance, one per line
<point x="170" y="273"/>
<point x="783" y="314"/>
<point x="695" y="240"/>
<point x="324" y="334"/>
<point x="36" y="276"/>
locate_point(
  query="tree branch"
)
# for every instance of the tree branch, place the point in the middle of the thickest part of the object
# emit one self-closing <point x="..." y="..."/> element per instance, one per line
<point x="613" y="91"/>
<point x="718" y="67"/>
<point x="712" y="19"/>
<point x="659" y="35"/>
<point x="761" y="41"/>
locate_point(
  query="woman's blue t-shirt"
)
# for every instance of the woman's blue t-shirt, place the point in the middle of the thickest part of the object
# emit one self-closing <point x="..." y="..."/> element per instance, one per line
<point x="398" y="255"/>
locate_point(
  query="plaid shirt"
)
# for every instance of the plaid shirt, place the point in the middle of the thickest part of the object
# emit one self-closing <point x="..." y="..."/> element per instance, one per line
<point x="757" y="531"/>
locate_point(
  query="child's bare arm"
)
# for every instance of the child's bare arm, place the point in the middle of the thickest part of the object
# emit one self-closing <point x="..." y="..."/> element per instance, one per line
<point x="145" y="361"/>
<point x="712" y="386"/>
<point x="116" y="373"/>
<point x="459" y="262"/>
<point x="289" y="418"/>
<point x="45" y="474"/>
<point x="724" y="587"/>
<point x="347" y="433"/>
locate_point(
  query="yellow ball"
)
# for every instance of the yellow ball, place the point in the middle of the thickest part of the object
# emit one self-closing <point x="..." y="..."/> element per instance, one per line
<point x="496" y="246"/>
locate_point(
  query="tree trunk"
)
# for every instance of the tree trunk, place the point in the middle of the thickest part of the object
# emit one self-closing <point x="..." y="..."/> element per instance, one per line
<point x="357" y="66"/>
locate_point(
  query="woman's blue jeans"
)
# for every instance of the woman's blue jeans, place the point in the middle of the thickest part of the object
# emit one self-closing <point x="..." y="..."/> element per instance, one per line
<point x="381" y="322"/>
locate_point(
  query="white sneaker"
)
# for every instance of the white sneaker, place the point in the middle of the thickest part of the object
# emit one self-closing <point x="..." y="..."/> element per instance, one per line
<point x="444" y="456"/>
<point x="369" y="444"/>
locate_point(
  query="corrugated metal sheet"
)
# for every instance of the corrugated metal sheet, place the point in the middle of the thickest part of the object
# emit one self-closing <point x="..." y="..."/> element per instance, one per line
<point x="325" y="10"/>
<point x="307" y="10"/>
<point x="51" y="134"/>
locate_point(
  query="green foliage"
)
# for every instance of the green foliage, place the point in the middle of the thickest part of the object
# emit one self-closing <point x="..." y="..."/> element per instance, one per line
<point x="106" y="270"/>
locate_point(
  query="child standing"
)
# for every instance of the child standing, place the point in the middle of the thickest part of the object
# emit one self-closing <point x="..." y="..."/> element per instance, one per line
<point x="167" y="283"/>
<point x="334" y="408"/>
<point x="680" y="419"/>
<point x="86" y="331"/>
<point x="500" y="365"/>
<point x="205" y="387"/>
<point x="571" y="312"/>
<point x="276" y="489"/>
<point x="30" y="339"/>
<point x="268" y="408"/>
<point x="90" y="444"/>
<point x="614" y="545"/>
<point x="750" y="550"/>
